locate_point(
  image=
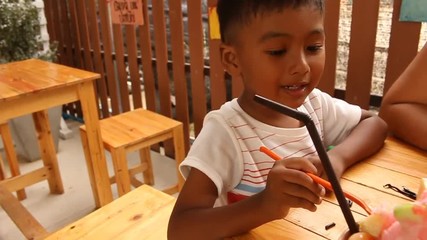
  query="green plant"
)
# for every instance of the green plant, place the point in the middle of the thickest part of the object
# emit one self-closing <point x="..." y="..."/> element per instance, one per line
<point x="20" y="32"/>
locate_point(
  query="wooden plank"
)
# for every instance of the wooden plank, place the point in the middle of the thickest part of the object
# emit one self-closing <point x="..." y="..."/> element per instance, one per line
<point x="76" y="46"/>
<point x="382" y="176"/>
<point x="75" y="49"/>
<point x="47" y="150"/>
<point x="58" y="31"/>
<point x="67" y="36"/>
<point x="178" y="67"/>
<point x="217" y="81"/>
<point x="362" y="50"/>
<point x="131" y="211"/>
<point x="120" y="63"/>
<point x="11" y="156"/>
<point x="162" y="64"/>
<point x="23" y="219"/>
<point x="19" y="182"/>
<point x="332" y="15"/>
<point x="198" y="93"/>
<point x="133" y="68"/>
<point x="84" y="35"/>
<point x="108" y="57"/>
<point x="147" y="56"/>
<point x="98" y="61"/>
<point x="404" y="38"/>
<point x="48" y="11"/>
<point x="161" y="57"/>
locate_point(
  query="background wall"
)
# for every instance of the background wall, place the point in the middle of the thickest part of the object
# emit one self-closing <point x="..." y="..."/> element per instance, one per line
<point x="383" y="36"/>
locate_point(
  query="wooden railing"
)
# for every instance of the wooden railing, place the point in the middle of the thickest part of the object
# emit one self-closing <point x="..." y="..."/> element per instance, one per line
<point x="158" y="50"/>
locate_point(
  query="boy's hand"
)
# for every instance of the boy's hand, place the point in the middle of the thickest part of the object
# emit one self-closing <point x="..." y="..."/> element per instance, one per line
<point x="289" y="187"/>
<point x="336" y="165"/>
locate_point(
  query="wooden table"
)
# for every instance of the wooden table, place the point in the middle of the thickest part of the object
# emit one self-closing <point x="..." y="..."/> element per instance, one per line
<point x="31" y="87"/>
<point x="144" y="212"/>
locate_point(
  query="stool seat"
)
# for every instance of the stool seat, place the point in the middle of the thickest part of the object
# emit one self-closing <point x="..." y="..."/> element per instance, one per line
<point x="127" y="129"/>
<point x="137" y="130"/>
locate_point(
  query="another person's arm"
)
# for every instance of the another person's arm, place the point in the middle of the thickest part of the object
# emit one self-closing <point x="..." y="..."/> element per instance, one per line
<point x="404" y="106"/>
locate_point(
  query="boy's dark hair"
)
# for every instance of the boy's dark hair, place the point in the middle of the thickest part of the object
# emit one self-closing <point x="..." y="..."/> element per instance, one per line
<point x="231" y="12"/>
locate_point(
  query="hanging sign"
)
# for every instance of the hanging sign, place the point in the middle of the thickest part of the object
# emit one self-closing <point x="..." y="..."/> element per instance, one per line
<point x="413" y="11"/>
<point x="126" y="12"/>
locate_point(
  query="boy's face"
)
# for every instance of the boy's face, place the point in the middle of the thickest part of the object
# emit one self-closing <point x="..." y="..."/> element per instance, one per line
<point x="279" y="55"/>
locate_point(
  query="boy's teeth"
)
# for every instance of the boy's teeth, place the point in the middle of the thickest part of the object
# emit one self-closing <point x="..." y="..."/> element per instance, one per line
<point x="293" y="87"/>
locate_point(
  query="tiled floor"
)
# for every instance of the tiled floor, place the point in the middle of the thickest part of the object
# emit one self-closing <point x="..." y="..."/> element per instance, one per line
<point x="55" y="211"/>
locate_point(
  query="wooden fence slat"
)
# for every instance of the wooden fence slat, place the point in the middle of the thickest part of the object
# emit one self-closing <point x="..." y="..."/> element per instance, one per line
<point x="132" y="52"/>
<point x="217" y="80"/>
<point x="332" y="15"/>
<point x="65" y="25"/>
<point x="63" y="49"/>
<point x="108" y="57"/>
<point x="147" y="56"/>
<point x="362" y="50"/>
<point x="57" y="27"/>
<point x="48" y="12"/>
<point x="84" y="34"/>
<point x="198" y="94"/>
<point x="178" y="67"/>
<point x="161" y="57"/>
<point x="85" y="39"/>
<point x="98" y="61"/>
<point x="75" y="33"/>
<point x="121" y="66"/>
<point x="404" y="38"/>
<point x="162" y="65"/>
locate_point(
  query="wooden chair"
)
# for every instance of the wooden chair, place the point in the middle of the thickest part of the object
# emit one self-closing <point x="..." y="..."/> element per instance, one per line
<point x="137" y="130"/>
<point x="11" y="157"/>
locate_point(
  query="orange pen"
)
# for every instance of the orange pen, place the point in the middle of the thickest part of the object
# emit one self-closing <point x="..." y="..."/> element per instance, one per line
<point x="322" y="182"/>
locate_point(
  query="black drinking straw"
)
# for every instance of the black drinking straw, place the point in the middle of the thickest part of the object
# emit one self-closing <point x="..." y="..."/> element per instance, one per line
<point x="306" y="119"/>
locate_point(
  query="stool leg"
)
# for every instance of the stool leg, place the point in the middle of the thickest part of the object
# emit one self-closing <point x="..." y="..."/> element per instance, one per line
<point x="145" y="158"/>
<point x="178" y="142"/>
<point x="2" y="171"/>
<point x="11" y="155"/>
<point x="121" y="170"/>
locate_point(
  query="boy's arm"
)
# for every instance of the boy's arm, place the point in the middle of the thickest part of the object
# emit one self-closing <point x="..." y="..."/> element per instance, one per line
<point x="194" y="216"/>
<point x="364" y="140"/>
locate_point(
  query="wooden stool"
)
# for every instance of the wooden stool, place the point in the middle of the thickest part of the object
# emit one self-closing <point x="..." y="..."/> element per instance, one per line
<point x="11" y="157"/>
<point x="138" y="130"/>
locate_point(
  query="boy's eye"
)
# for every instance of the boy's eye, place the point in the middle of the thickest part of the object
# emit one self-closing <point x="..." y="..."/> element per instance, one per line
<point x="315" y="48"/>
<point x="278" y="52"/>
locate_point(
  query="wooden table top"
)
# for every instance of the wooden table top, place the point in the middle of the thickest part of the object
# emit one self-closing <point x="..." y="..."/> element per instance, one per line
<point x="144" y="212"/>
<point x="140" y="214"/>
<point x="33" y="75"/>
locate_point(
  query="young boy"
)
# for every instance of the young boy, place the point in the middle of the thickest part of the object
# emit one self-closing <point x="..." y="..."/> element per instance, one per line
<point x="276" y="47"/>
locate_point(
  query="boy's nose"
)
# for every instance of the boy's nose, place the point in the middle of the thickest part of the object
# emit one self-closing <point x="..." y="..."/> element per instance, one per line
<point x="299" y="64"/>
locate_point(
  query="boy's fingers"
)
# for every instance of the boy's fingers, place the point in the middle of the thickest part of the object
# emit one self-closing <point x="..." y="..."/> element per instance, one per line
<point x="303" y="193"/>
<point x="301" y="179"/>
<point x="296" y="202"/>
<point x="299" y="164"/>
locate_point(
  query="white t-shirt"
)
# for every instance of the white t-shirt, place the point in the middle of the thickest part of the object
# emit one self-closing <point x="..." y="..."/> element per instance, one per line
<point x="227" y="148"/>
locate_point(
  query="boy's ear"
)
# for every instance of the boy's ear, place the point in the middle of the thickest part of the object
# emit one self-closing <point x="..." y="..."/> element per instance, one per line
<point x="229" y="59"/>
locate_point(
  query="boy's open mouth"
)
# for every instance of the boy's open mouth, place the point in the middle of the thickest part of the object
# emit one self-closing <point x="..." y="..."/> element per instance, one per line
<point x="295" y="87"/>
